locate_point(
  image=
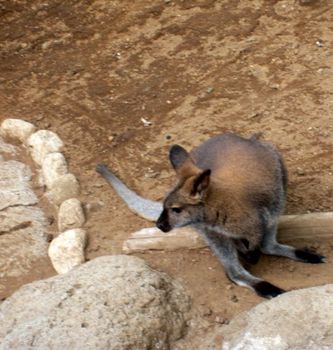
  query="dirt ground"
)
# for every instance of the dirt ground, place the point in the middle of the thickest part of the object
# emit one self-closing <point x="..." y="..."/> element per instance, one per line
<point x="91" y="70"/>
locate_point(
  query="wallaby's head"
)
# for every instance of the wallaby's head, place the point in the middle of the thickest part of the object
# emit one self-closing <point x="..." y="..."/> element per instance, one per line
<point x="185" y="204"/>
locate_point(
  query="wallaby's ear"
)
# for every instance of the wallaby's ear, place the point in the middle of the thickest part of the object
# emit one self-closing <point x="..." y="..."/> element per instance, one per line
<point x="178" y="156"/>
<point x="201" y="183"/>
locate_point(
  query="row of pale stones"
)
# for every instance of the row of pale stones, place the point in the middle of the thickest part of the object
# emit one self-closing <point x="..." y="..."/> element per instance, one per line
<point x="67" y="249"/>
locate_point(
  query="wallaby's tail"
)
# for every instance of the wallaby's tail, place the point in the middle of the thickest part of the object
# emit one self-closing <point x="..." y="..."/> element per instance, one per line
<point x="145" y="208"/>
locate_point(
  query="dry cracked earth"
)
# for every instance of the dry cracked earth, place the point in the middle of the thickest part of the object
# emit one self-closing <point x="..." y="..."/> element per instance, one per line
<point x="91" y="70"/>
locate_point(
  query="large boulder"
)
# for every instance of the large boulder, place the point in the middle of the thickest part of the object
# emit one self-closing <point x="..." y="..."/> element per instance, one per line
<point x="23" y="244"/>
<point x="15" y="185"/>
<point x="298" y="320"/>
<point x="112" y="302"/>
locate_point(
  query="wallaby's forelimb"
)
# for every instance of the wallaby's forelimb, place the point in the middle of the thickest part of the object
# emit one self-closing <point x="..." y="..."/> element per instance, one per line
<point x="145" y="208"/>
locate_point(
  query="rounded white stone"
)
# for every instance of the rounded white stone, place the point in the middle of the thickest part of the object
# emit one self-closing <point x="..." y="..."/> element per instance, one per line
<point x="298" y="320"/>
<point x="65" y="187"/>
<point x="17" y="129"/>
<point x="67" y="250"/>
<point x="70" y="214"/>
<point x="42" y="143"/>
<point x="53" y="167"/>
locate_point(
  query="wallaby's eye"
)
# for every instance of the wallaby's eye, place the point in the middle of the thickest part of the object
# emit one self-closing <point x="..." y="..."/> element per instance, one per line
<point x="176" y="210"/>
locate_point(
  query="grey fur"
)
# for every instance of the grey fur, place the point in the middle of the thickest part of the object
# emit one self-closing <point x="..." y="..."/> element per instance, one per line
<point x="145" y="208"/>
<point x="224" y="249"/>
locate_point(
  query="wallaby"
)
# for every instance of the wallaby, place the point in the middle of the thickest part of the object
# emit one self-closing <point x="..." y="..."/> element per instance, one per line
<point x="232" y="190"/>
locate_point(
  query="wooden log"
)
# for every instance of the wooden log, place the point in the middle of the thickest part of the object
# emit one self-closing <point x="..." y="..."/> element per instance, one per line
<point x="316" y="226"/>
<point x="305" y="227"/>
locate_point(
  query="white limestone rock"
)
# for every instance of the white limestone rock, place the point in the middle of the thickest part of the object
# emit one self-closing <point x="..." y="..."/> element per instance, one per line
<point x="297" y="320"/>
<point x="7" y="148"/>
<point x="42" y="143"/>
<point x="53" y="167"/>
<point x="67" y="250"/>
<point x="70" y="215"/>
<point x="65" y="187"/>
<point x="14" y="185"/>
<point x="111" y="302"/>
<point x="17" y="129"/>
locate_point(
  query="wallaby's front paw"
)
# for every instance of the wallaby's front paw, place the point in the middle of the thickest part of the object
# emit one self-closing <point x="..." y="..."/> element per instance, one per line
<point x="308" y="256"/>
<point x="267" y="290"/>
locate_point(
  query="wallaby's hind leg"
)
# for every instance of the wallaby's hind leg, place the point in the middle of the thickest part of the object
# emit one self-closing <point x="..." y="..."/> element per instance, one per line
<point x="270" y="246"/>
<point x="225" y="251"/>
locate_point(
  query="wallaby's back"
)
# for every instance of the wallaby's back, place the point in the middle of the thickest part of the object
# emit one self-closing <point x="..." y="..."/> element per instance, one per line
<point x="241" y="166"/>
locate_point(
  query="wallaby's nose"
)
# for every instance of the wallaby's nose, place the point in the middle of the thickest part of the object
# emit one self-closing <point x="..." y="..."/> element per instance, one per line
<point x="163" y="227"/>
<point x="163" y="222"/>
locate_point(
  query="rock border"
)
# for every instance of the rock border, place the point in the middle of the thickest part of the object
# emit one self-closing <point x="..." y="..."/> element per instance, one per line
<point x="66" y="250"/>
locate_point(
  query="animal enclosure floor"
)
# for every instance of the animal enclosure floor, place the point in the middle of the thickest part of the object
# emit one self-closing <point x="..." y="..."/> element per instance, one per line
<point x="121" y="81"/>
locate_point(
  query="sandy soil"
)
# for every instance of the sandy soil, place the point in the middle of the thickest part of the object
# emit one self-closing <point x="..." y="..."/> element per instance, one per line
<point x="91" y="70"/>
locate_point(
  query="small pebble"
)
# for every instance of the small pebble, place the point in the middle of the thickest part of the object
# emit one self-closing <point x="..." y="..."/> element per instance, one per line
<point x="146" y="122"/>
<point x="221" y="320"/>
<point x="300" y="171"/>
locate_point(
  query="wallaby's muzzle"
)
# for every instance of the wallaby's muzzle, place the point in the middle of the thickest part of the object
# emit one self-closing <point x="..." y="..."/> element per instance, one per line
<point x="163" y="222"/>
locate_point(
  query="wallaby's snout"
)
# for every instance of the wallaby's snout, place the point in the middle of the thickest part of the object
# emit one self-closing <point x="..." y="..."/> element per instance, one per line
<point x="163" y="222"/>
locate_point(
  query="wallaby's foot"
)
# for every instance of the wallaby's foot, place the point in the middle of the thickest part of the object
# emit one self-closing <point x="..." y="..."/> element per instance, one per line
<point x="251" y="256"/>
<point x="308" y="256"/>
<point x="267" y="290"/>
